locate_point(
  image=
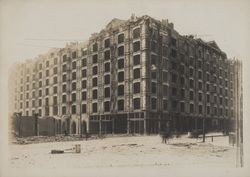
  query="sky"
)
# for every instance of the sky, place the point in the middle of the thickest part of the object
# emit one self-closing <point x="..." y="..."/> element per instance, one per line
<point x="31" y="27"/>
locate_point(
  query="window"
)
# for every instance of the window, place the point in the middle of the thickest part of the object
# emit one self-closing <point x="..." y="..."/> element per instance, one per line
<point x="74" y="65"/>
<point x="74" y="76"/>
<point x="94" y="70"/>
<point x="191" y="108"/>
<point x="137" y="87"/>
<point x="74" y="54"/>
<point x="191" y="83"/>
<point x="120" y="51"/>
<point x="200" y="96"/>
<point x="174" y="78"/>
<point x="46" y="101"/>
<point x="40" y="102"/>
<point x="55" y="100"/>
<point x="174" y="105"/>
<point x="165" y="76"/>
<point x="84" y="84"/>
<point x="121" y="64"/>
<point x="94" y="107"/>
<point x="47" y="73"/>
<point x="40" y="66"/>
<point x="153" y="74"/>
<point x="164" y="51"/>
<point x="221" y="100"/>
<point x="33" y="94"/>
<point x="107" y="79"/>
<point x="47" y="63"/>
<point x="208" y="76"/>
<point x="94" y="82"/>
<point x="95" y="47"/>
<point x="40" y="75"/>
<point x="136" y="46"/>
<point x="208" y="98"/>
<point x="191" y="71"/>
<point x="47" y="91"/>
<point x="182" y="107"/>
<point x="199" y="64"/>
<point x="208" y="109"/>
<point x="84" y="73"/>
<point x="27" y="95"/>
<point x="107" y="43"/>
<point x="153" y="87"/>
<point x="46" y="111"/>
<point x="63" y="110"/>
<point x="154" y="46"/>
<point x="165" y="90"/>
<point x="84" y="62"/>
<point x="73" y="97"/>
<point x="182" y="81"/>
<point x="120" y="105"/>
<point x="137" y="103"/>
<point x="64" y="58"/>
<point x="64" y="78"/>
<point x="84" y="108"/>
<point x="153" y="103"/>
<point x="40" y="93"/>
<point x="73" y="86"/>
<point x="153" y="59"/>
<point x="84" y="52"/>
<point x="199" y="74"/>
<point x="136" y="59"/>
<point x="55" y="61"/>
<point x="200" y="85"/>
<point x="182" y="69"/>
<point x="64" y="68"/>
<point x="191" y="95"/>
<point x="73" y="109"/>
<point x="165" y="105"/>
<point x="207" y="85"/>
<point x="136" y="33"/>
<point x="137" y="73"/>
<point x="174" y="91"/>
<point x="55" y="80"/>
<point x="107" y="55"/>
<point x="107" y="92"/>
<point x="94" y="94"/>
<point x="173" y="53"/>
<point x="107" y="67"/>
<point x="84" y="95"/>
<point x="120" y="76"/>
<point x="120" y="90"/>
<point x="55" y="70"/>
<point x="120" y="38"/>
<point x="64" y="98"/>
<point x="182" y="93"/>
<point x="106" y="106"/>
<point x="54" y="90"/>
<point x="200" y="109"/>
<point x="94" y="59"/>
<point x="173" y="41"/>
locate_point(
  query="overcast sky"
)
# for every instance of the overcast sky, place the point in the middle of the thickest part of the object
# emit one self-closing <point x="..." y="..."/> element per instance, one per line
<point x="32" y="27"/>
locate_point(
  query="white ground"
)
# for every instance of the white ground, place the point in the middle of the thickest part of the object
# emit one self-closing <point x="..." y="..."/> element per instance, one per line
<point x="125" y="152"/>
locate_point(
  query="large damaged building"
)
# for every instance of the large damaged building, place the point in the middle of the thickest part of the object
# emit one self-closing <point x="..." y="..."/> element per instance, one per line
<point x="134" y="76"/>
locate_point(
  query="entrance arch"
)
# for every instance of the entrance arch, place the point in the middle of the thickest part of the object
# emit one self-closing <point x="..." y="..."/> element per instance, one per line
<point x="73" y="128"/>
<point x="84" y="127"/>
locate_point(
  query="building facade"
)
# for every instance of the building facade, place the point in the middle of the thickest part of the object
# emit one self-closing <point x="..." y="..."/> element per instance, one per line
<point x="134" y="76"/>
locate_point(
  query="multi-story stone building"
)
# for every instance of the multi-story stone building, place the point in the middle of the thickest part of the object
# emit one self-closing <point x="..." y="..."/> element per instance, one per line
<point x="135" y="76"/>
